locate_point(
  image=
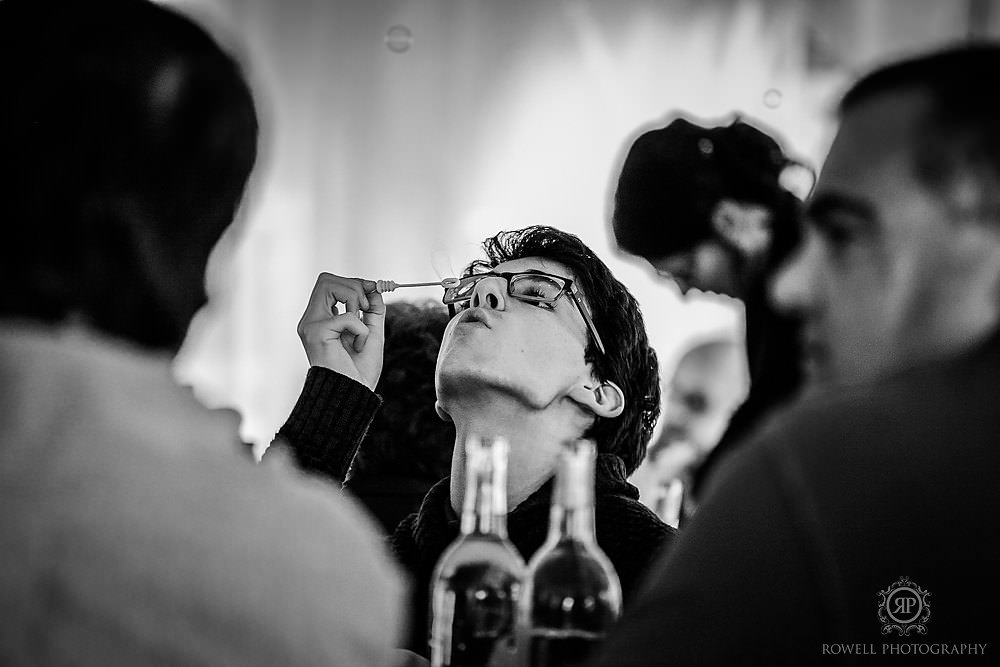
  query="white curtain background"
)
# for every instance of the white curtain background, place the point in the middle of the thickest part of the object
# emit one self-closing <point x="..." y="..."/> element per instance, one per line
<point x="394" y="163"/>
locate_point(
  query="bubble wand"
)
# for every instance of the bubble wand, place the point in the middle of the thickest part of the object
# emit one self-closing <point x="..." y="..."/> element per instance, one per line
<point x="382" y="286"/>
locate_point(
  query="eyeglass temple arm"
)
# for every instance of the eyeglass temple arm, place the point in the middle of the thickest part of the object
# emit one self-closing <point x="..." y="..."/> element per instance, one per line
<point x="582" y="307"/>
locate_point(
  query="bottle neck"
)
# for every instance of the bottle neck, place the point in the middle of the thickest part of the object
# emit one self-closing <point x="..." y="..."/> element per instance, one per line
<point x="484" y="510"/>
<point x="571" y="523"/>
<point x="572" y="515"/>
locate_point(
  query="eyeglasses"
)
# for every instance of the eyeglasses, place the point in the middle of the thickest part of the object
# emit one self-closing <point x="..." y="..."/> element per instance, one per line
<point x="529" y="286"/>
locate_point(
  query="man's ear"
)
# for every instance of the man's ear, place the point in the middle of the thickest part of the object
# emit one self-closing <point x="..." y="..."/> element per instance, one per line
<point x="604" y="400"/>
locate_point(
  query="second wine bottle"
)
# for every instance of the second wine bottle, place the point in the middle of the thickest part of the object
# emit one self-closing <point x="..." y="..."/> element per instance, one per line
<point x="572" y="595"/>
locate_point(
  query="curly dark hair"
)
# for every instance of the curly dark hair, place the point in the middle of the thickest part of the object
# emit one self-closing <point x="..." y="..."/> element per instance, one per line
<point x="407" y="437"/>
<point x="629" y="361"/>
<point x="674" y="176"/>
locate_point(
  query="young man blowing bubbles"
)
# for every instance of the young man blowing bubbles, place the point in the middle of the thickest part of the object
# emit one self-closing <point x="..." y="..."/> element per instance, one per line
<point x="547" y="347"/>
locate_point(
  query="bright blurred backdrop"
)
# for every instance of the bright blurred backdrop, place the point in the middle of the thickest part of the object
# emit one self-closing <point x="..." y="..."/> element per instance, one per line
<point x="396" y="135"/>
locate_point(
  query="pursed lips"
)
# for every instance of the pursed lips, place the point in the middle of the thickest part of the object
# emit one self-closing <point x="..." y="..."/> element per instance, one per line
<point x="475" y="316"/>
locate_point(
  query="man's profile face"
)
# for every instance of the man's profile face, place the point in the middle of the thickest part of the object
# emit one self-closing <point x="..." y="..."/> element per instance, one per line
<point x="708" y="267"/>
<point x="878" y="278"/>
<point x="502" y="352"/>
<point x="531" y="352"/>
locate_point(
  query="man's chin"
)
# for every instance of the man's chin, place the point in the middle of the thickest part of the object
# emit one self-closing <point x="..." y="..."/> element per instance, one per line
<point x="455" y="380"/>
<point x="483" y="386"/>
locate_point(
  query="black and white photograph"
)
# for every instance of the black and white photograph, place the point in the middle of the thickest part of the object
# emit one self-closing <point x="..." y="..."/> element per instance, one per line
<point x="499" y="333"/>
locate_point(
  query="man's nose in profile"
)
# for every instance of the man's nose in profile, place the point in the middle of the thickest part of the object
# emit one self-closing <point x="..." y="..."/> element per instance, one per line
<point x="489" y="293"/>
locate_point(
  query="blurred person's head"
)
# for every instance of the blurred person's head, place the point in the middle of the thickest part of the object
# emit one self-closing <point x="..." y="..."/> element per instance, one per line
<point x="901" y="257"/>
<point x="544" y="359"/>
<point x="407" y="437"/>
<point x="705" y="206"/>
<point x="126" y="139"/>
<point x="707" y="386"/>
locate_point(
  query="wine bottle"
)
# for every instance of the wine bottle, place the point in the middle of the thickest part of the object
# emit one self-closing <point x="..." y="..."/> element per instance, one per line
<point x="476" y="582"/>
<point x="572" y="595"/>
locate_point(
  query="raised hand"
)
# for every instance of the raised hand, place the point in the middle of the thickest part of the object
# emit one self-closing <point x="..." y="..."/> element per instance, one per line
<point x="343" y="327"/>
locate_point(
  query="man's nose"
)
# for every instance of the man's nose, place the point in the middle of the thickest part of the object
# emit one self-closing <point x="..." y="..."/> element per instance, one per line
<point x="793" y="288"/>
<point x="490" y="293"/>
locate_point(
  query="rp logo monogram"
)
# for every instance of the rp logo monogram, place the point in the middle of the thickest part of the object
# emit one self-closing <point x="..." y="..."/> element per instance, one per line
<point x="903" y="607"/>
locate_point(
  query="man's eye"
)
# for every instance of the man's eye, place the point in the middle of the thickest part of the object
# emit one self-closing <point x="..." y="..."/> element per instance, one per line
<point x="840" y="226"/>
<point x="528" y="290"/>
<point x="540" y="304"/>
<point x="836" y="234"/>
<point x="537" y="286"/>
<point x="840" y="233"/>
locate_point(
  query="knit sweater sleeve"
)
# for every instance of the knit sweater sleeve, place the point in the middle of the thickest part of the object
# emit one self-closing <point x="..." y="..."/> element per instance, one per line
<point x="328" y="422"/>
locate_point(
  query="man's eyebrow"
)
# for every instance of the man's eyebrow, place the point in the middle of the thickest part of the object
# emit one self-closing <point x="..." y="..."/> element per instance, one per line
<point x="826" y="204"/>
<point x="539" y="272"/>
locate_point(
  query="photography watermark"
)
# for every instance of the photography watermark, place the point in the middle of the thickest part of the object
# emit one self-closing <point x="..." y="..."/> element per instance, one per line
<point x="904" y="608"/>
<point x="904" y="648"/>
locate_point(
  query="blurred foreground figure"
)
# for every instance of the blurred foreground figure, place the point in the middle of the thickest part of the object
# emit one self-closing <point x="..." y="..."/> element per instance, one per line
<point x="707" y="208"/>
<point x="867" y="514"/>
<point x="706" y="388"/>
<point x="133" y="530"/>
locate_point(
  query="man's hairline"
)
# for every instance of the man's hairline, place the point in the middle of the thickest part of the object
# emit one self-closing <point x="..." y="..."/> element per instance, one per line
<point x="928" y="122"/>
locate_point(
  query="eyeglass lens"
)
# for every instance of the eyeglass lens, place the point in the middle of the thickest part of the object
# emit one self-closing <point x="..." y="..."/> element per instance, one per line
<point x="526" y="286"/>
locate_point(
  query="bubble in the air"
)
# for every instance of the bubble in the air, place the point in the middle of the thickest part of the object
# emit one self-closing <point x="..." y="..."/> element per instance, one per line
<point x="772" y="98"/>
<point x="399" y="39"/>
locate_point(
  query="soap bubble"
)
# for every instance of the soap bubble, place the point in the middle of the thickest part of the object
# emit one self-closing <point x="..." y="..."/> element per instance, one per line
<point x="772" y="98"/>
<point x="399" y="39"/>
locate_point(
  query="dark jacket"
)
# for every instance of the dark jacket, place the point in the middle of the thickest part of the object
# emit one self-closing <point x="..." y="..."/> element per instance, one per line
<point x="833" y="504"/>
<point x="326" y="427"/>
<point x="773" y="358"/>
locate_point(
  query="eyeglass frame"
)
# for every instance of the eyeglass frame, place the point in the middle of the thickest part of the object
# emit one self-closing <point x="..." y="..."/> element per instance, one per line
<point x="569" y="288"/>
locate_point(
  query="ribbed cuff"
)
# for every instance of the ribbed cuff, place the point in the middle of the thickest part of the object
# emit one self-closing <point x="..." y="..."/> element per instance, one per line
<point x="329" y="421"/>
